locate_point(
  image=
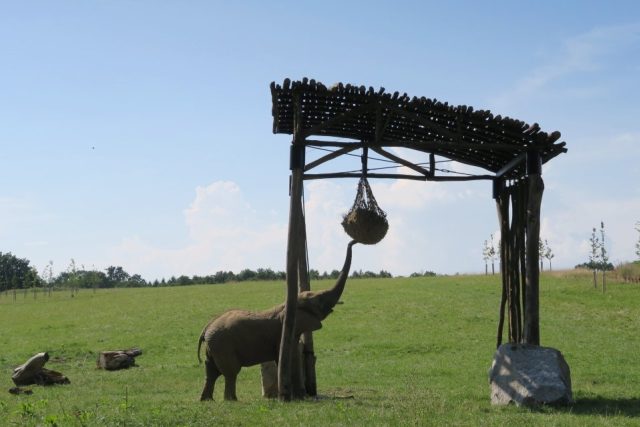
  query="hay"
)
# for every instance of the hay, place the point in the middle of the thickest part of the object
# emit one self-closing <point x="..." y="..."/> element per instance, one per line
<point x="365" y="222"/>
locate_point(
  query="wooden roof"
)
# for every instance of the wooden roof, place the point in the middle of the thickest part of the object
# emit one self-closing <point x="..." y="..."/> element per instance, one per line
<point x="377" y="118"/>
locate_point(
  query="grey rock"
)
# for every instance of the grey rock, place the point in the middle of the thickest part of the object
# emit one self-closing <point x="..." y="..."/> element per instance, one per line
<point x="529" y="375"/>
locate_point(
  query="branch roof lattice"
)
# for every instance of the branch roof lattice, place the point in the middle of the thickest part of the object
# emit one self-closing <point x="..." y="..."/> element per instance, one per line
<point x="380" y="119"/>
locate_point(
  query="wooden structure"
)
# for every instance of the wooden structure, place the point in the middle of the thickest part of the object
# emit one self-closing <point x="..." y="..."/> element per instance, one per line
<point x="345" y="118"/>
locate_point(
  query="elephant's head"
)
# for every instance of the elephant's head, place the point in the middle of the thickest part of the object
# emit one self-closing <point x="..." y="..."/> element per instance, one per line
<point x="319" y="304"/>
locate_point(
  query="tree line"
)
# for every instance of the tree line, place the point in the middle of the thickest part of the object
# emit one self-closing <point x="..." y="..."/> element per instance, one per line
<point x="18" y="273"/>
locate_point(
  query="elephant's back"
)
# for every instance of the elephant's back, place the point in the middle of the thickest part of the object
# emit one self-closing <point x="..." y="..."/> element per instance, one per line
<point x="245" y="336"/>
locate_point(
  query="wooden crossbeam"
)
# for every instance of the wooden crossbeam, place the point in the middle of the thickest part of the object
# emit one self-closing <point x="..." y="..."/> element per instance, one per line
<point x="309" y="176"/>
<point x="401" y="161"/>
<point x="318" y="143"/>
<point x="331" y="156"/>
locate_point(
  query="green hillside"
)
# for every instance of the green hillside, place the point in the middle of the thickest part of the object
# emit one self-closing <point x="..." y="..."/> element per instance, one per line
<point x="397" y="352"/>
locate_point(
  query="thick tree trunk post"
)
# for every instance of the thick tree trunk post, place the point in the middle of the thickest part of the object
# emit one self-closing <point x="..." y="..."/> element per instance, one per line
<point x="502" y="205"/>
<point x="287" y="344"/>
<point x="515" y="312"/>
<point x="532" y="288"/>
<point x="308" y="355"/>
<point x="519" y="254"/>
<point x="522" y="249"/>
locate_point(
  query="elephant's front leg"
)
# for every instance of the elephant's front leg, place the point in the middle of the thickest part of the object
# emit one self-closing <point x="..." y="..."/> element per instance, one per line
<point x="212" y="374"/>
<point x="269" y="373"/>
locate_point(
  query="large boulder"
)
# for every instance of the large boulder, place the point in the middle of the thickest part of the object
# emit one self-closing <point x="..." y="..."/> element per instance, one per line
<point x="529" y="375"/>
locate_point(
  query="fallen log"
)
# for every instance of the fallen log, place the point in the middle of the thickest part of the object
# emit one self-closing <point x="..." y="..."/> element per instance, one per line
<point x="118" y="359"/>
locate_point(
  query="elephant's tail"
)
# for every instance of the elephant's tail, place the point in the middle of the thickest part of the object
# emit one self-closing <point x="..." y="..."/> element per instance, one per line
<point x="200" y="341"/>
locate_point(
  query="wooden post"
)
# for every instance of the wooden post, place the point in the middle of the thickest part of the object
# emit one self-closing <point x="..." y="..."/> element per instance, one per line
<point x="535" y="189"/>
<point x="287" y="344"/>
<point x="515" y="265"/>
<point x="308" y="355"/>
<point x="502" y="205"/>
<point x="288" y="329"/>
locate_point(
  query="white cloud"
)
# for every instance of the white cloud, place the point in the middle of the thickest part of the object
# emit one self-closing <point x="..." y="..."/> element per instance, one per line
<point x="568" y="228"/>
<point x="582" y="53"/>
<point x="225" y="233"/>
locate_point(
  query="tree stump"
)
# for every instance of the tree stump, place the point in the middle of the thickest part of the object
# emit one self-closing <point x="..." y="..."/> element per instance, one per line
<point x="33" y="372"/>
<point x="118" y="359"/>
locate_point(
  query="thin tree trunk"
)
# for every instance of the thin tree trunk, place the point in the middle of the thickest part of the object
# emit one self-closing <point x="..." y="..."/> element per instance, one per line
<point x="531" y="332"/>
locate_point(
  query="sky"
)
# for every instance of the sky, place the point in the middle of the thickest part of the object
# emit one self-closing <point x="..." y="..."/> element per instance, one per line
<point x="139" y="133"/>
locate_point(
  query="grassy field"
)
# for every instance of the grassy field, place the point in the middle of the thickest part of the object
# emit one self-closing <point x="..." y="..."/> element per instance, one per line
<point x="397" y="352"/>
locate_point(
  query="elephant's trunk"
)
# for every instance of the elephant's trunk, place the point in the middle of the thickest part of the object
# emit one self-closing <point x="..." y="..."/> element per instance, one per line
<point x="332" y="296"/>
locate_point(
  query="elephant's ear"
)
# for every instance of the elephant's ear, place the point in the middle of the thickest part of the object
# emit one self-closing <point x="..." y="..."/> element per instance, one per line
<point x="306" y="322"/>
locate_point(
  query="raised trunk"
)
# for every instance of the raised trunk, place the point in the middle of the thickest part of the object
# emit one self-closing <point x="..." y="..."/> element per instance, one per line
<point x="332" y="296"/>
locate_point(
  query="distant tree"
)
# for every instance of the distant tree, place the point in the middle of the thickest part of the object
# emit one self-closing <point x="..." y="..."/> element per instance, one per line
<point x="246" y="274"/>
<point x="493" y="254"/>
<point x="548" y="253"/>
<point x="183" y="281"/>
<point x="92" y="279"/>
<point x="594" y="244"/>
<point x="638" y="242"/>
<point x="72" y="278"/>
<point x="47" y="276"/>
<point x="604" y="257"/>
<point x="15" y="272"/>
<point x="486" y="256"/>
<point x="385" y="274"/>
<point x="541" y="252"/>
<point x="33" y="281"/>
<point x="426" y="273"/>
<point x="137" y="281"/>
<point x="116" y="276"/>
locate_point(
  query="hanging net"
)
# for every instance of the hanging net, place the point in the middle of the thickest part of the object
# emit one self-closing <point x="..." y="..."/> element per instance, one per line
<point x="365" y="222"/>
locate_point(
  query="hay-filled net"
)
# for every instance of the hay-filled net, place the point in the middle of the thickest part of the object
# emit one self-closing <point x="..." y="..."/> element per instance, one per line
<point x="365" y="222"/>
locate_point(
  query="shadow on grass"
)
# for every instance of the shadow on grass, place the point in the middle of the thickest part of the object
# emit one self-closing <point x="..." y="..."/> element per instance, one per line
<point x="629" y="407"/>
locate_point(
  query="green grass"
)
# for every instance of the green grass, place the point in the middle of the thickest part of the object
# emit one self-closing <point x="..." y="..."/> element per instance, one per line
<point x="397" y="352"/>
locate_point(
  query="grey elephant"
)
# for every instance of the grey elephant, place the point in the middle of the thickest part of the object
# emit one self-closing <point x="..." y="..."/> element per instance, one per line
<point x="240" y="338"/>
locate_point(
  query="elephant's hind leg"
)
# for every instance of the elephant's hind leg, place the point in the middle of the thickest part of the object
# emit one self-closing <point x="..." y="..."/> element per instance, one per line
<point x="230" y="386"/>
<point x="212" y="374"/>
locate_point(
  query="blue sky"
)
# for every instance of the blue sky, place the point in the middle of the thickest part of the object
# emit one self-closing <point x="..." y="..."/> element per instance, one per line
<point x="139" y="133"/>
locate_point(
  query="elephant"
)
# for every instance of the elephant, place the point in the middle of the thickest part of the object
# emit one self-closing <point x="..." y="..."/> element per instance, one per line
<point x="240" y="338"/>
